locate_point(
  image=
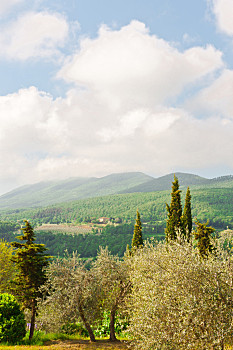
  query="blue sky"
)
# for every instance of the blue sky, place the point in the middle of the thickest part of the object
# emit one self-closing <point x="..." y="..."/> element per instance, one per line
<point x="92" y="87"/>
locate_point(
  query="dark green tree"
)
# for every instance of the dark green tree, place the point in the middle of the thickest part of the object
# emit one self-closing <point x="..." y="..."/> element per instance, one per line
<point x="31" y="261"/>
<point x="137" y="240"/>
<point x="174" y="222"/>
<point x="187" y="216"/>
<point x="203" y="235"/>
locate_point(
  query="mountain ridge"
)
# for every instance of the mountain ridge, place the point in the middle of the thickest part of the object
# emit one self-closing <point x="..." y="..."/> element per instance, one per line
<point x="54" y="192"/>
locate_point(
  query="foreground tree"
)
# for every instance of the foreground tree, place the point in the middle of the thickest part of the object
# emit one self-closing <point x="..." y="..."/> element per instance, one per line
<point x="7" y="268"/>
<point x="187" y="216"/>
<point x="203" y="235"/>
<point x="12" y="322"/>
<point x="113" y="278"/>
<point x="174" y="229"/>
<point x="137" y="240"/>
<point x="178" y="300"/>
<point x="71" y="292"/>
<point x="31" y="262"/>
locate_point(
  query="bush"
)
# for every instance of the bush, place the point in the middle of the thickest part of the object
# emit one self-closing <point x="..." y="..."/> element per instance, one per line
<point x="12" y="322"/>
<point x="74" y="328"/>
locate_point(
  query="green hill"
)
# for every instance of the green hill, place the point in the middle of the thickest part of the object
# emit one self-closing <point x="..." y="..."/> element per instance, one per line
<point x="47" y="193"/>
<point x="210" y="201"/>
<point x="53" y="192"/>
<point x="163" y="183"/>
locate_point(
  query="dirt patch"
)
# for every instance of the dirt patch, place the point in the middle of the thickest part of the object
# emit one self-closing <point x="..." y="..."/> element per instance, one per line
<point x="71" y="345"/>
<point x="86" y="344"/>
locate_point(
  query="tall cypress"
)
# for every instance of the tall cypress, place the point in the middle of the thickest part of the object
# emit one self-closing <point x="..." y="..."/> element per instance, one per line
<point x="174" y="222"/>
<point x="187" y="216"/>
<point x="203" y="235"/>
<point x="31" y="260"/>
<point x="137" y="240"/>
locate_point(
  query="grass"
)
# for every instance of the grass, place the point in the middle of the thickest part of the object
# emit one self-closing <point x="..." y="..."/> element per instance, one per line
<point x="60" y="341"/>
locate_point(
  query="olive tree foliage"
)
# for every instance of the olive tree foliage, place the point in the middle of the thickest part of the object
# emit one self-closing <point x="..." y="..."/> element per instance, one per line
<point x="7" y="267"/>
<point x="71" y="293"/>
<point x="112" y="275"/>
<point x="179" y="300"/>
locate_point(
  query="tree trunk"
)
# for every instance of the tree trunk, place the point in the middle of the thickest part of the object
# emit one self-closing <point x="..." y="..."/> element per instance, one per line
<point x="33" y="318"/>
<point x="86" y="323"/>
<point x="112" y="323"/>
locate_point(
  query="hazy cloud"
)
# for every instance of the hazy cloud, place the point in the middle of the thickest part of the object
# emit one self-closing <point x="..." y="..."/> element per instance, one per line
<point x="216" y="99"/>
<point x="6" y="5"/>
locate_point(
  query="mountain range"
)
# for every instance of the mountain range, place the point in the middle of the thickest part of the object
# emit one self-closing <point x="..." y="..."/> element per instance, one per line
<point x="52" y="192"/>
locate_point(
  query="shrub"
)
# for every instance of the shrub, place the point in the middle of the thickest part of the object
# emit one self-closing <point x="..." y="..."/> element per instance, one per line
<point x="74" y="328"/>
<point x="12" y="322"/>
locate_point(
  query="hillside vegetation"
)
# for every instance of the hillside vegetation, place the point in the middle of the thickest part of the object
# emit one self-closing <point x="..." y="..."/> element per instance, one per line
<point x="211" y="202"/>
<point x="54" y="192"/>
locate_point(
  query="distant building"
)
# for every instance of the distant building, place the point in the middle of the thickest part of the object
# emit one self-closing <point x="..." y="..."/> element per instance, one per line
<point x="104" y="220"/>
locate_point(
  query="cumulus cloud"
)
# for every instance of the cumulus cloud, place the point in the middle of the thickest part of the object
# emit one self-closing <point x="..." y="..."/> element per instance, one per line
<point x="130" y="66"/>
<point x="33" y="35"/>
<point x="121" y="114"/>
<point x="223" y="10"/>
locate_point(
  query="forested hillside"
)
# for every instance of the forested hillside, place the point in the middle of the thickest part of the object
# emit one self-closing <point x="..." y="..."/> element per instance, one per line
<point x="51" y="192"/>
<point x="213" y="204"/>
<point x="54" y="192"/>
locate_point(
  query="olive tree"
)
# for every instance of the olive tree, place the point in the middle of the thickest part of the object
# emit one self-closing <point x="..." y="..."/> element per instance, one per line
<point x="179" y="300"/>
<point x="71" y="293"/>
<point x="113" y="279"/>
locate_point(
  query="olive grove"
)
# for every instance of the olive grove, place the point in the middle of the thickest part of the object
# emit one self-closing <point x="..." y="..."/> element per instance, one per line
<point x="179" y="300"/>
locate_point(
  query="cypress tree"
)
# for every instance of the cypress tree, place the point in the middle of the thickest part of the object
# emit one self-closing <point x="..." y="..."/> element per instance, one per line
<point x="174" y="221"/>
<point x="137" y="240"/>
<point x="31" y="261"/>
<point x="203" y="235"/>
<point x="187" y="216"/>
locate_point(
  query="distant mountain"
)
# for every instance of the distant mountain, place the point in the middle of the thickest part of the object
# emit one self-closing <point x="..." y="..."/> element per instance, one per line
<point x="51" y="192"/>
<point x="163" y="183"/>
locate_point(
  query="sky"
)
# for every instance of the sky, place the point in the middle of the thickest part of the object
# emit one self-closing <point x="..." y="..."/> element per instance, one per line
<point x="94" y="87"/>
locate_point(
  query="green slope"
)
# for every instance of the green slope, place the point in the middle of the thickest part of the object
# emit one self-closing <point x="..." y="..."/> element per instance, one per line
<point x="46" y="193"/>
<point x="214" y="204"/>
<point x="163" y="183"/>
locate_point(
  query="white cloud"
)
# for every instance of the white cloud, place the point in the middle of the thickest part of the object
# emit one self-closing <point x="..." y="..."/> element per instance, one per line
<point x="130" y="66"/>
<point x="216" y="99"/>
<point x="33" y="35"/>
<point x="6" y="5"/>
<point x="223" y="10"/>
<point x="124" y="119"/>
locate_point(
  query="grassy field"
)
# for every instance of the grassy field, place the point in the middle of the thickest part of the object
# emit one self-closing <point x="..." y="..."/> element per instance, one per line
<point x="71" y="229"/>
